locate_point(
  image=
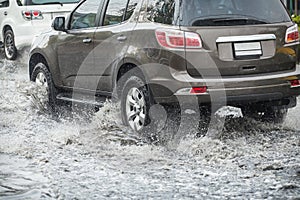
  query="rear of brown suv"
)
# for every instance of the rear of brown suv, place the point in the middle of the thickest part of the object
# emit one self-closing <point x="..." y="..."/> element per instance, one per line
<point x="234" y="52"/>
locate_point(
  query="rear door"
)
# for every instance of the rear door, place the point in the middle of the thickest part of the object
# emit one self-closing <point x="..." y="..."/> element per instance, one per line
<point x="75" y="48"/>
<point x="112" y="39"/>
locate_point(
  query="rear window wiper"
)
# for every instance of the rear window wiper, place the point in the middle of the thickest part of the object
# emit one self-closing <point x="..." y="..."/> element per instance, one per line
<point x="226" y="21"/>
<point x="236" y="19"/>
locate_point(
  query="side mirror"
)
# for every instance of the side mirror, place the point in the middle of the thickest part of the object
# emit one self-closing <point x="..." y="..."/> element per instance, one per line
<point x="59" y="24"/>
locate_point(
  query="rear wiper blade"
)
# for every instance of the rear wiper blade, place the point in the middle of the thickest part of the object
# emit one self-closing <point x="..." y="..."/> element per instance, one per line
<point x="232" y="19"/>
<point x="227" y="20"/>
<point x="48" y="3"/>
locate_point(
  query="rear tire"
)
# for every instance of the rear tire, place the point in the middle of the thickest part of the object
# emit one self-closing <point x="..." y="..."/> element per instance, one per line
<point x="10" y="49"/>
<point x="135" y="103"/>
<point x="155" y="122"/>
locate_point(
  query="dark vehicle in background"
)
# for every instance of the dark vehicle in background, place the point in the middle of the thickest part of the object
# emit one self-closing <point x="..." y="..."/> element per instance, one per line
<point x="22" y="20"/>
<point x="157" y="51"/>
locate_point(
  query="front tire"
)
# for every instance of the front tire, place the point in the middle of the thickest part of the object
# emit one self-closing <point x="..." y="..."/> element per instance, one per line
<point x="9" y="45"/>
<point x="43" y="78"/>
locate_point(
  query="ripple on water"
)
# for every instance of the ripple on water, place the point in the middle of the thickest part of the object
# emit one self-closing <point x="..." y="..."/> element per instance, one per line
<point x="22" y="179"/>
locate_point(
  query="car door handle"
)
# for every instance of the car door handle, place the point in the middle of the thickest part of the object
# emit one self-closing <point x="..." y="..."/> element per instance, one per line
<point x="87" y="40"/>
<point x="122" y="38"/>
<point x="5" y="13"/>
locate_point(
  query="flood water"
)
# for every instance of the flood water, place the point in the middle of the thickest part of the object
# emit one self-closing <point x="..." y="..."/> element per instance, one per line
<point x="91" y="156"/>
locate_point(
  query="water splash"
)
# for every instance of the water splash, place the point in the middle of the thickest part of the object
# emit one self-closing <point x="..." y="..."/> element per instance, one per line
<point x="89" y="157"/>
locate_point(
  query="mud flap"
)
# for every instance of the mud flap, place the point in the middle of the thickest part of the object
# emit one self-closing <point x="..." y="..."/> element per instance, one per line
<point x="292" y="102"/>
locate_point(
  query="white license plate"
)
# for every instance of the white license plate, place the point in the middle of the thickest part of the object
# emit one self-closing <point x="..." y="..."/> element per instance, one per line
<point x="247" y="49"/>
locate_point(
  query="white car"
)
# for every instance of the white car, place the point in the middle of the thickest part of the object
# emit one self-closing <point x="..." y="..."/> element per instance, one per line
<point x="21" y="20"/>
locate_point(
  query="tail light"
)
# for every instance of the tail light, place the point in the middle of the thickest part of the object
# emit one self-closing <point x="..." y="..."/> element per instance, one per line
<point x="178" y="39"/>
<point x="26" y="14"/>
<point x="201" y="90"/>
<point x="292" y="34"/>
<point x="198" y="90"/>
<point x="36" y="14"/>
<point x="32" y="15"/>
<point x="295" y="83"/>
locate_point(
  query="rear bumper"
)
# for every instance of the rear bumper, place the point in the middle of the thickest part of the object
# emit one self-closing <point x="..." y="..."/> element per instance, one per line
<point x="231" y="91"/>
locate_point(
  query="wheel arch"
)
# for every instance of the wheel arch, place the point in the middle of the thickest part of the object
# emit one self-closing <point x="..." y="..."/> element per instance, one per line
<point x="129" y="63"/>
<point x="123" y="69"/>
<point x="49" y="59"/>
<point x="35" y="59"/>
<point x="143" y="70"/>
<point x="5" y="28"/>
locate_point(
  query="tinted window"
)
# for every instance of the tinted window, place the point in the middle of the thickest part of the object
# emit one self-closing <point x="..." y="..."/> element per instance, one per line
<point x="233" y="12"/>
<point x="85" y="15"/>
<point x="161" y="11"/>
<point x="114" y="12"/>
<point x="4" y="3"/>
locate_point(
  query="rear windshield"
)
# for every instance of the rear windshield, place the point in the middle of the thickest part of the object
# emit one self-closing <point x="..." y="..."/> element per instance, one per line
<point x="44" y="2"/>
<point x="232" y="12"/>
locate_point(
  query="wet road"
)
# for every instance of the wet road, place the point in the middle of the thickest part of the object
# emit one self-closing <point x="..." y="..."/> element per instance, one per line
<point x="92" y="157"/>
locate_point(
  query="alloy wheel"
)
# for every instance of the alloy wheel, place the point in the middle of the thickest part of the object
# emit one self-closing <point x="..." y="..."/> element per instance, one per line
<point x="136" y="109"/>
<point x="41" y="81"/>
<point x="9" y="46"/>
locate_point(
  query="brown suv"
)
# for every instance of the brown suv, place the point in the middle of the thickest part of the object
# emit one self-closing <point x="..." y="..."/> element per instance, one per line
<point x="160" y="51"/>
